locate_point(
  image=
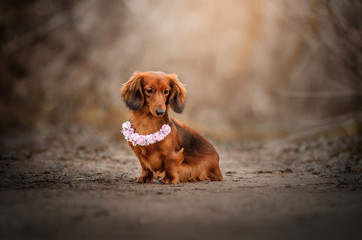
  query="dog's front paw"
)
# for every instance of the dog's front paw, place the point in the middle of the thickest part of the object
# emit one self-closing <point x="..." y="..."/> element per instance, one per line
<point x="175" y="181"/>
<point x="165" y="180"/>
<point x="143" y="179"/>
<point x="170" y="180"/>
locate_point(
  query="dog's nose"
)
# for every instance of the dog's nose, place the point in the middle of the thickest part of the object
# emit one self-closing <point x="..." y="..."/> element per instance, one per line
<point x="160" y="112"/>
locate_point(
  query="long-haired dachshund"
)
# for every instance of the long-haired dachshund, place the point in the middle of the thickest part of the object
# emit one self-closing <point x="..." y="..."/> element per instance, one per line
<point x="165" y="147"/>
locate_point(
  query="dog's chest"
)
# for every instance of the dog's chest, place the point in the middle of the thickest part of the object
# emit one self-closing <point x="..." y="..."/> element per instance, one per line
<point x="153" y="160"/>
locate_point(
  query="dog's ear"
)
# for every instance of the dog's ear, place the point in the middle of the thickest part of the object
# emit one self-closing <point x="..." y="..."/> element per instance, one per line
<point x="132" y="92"/>
<point x="178" y="94"/>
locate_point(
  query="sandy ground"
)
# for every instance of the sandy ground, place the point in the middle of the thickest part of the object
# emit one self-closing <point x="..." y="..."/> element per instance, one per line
<point x="81" y="185"/>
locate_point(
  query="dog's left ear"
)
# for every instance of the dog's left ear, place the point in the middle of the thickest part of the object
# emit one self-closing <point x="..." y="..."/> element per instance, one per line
<point x="178" y="94"/>
<point x="132" y="92"/>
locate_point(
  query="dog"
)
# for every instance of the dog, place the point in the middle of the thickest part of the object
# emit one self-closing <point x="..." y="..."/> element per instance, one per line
<point x="165" y="147"/>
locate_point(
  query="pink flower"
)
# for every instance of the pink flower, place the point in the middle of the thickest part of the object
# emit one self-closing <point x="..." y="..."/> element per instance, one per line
<point x="127" y="132"/>
<point x="134" y="137"/>
<point x="126" y="125"/>
<point x="159" y="136"/>
<point x="150" y="139"/>
<point x="166" y="128"/>
<point x="141" y="140"/>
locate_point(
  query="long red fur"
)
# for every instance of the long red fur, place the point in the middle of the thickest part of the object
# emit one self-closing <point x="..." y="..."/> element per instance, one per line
<point x="184" y="155"/>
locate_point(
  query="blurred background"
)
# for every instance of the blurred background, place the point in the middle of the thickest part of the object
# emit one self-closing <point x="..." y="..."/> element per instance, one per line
<point x="253" y="69"/>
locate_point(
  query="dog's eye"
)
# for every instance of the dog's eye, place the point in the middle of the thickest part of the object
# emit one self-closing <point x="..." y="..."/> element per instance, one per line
<point x="166" y="91"/>
<point x="149" y="91"/>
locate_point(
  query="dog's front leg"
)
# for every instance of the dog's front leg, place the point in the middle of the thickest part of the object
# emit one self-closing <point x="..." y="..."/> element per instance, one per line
<point x="171" y="175"/>
<point x="171" y="167"/>
<point x="147" y="174"/>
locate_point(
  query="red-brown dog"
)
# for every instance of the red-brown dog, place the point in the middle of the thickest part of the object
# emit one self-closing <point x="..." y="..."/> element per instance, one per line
<point x="183" y="155"/>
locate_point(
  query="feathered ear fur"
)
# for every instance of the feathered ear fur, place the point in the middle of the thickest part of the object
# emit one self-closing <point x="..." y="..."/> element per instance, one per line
<point x="132" y="92"/>
<point x="178" y="94"/>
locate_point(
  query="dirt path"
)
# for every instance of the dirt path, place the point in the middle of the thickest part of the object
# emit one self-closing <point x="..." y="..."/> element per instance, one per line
<point x="82" y="185"/>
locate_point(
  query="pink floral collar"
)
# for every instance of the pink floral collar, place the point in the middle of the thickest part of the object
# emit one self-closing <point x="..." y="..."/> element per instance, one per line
<point x="144" y="140"/>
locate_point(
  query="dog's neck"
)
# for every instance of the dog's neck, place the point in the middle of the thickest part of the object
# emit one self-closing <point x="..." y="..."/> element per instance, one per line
<point x="145" y="123"/>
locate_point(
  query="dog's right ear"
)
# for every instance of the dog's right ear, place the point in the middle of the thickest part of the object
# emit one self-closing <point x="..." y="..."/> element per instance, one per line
<point x="132" y="92"/>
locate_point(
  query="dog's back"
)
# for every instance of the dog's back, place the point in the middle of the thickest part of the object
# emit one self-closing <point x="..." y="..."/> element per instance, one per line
<point x="201" y="161"/>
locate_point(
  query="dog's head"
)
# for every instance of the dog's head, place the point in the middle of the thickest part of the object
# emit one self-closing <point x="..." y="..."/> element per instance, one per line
<point x="154" y="92"/>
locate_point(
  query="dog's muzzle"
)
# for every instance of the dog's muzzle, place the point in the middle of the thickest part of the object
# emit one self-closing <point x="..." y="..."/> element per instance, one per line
<point x="160" y="112"/>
